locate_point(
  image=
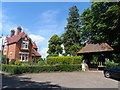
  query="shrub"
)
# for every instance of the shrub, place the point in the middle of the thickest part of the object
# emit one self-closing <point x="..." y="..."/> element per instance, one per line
<point x="15" y="69"/>
<point x="27" y="63"/>
<point x="64" y="54"/>
<point x="110" y="64"/>
<point x="4" y="59"/>
<point x="53" y="55"/>
<point x="12" y="61"/>
<point x="94" y="59"/>
<point x="33" y="60"/>
<point x="18" y="62"/>
<point x="39" y="59"/>
<point x="41" y="63"/>
<point x="64" y="60"/>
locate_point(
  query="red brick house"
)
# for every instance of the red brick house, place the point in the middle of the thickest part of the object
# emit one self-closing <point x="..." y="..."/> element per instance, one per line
<point x="20" y="46"/>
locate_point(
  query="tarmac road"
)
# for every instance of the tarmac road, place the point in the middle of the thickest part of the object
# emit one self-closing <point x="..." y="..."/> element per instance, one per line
<point x="60" y="79"/>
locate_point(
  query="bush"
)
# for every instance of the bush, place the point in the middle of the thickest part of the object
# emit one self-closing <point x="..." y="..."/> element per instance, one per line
<point x="12" y="61"/>
<point x="64" y="54"/>
<point x="39" y="59"/>
<point x="27" y="63"/>
<point x="53" y="55"/>
<point x="33" y="60"/>
<point x="41" y="63"/>
<point x="15" y="69"/>
<point x="64" y="60"/>
<point x="4" y="59"/>
<point x="110" y="64"/>
<point x="18" y="62"/>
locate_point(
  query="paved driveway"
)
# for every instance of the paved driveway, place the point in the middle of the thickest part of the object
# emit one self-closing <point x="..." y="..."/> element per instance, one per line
<point x="60" y="79"/>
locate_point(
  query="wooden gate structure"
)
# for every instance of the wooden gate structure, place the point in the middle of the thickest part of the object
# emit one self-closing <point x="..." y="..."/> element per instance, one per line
<point x="95" y="48"/>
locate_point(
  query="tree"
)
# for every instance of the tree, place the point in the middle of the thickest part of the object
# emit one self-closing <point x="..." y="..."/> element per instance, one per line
<point x="71" y="38"/>
<point x="102" y="22"/>
<point x="55" y="45"/>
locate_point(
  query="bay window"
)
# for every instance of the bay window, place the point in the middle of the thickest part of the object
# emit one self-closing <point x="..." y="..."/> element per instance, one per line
<point x="24" y="56"/>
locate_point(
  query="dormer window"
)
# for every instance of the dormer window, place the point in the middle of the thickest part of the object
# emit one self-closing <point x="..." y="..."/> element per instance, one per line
<point x="25" y="45"/>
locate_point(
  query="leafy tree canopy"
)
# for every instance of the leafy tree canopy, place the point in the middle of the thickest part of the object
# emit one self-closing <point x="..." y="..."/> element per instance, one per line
<point x="55" y="45"/>
<point x="102" y="22"/>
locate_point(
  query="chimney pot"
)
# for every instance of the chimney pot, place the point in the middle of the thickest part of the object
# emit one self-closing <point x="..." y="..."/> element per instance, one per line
<point x="19" y="30"/>
<point x="12" y="33"/>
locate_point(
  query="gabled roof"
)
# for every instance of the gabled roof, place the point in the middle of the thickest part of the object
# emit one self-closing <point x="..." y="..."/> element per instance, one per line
<point x="36" y="53"/>
<point x="34" y="45"/>
<point x="95" y="47"/>
<point x="15" y="38"/>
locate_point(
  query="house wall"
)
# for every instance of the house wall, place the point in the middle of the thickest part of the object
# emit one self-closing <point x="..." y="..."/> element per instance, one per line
<point x="10" y="51"/>
<point x="18" y="49"/>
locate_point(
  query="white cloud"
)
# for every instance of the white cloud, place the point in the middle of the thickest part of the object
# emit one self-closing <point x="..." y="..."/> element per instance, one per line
<point x="41" y="43"/>
<point x="38" y="39"/>
<point x="49" y="16"/>
<point x="44" y="52"/>
<point x="26" y="30"/>
<point x="6" y="27"/>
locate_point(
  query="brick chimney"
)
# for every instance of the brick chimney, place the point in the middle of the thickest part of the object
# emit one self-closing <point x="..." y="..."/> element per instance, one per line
<point x="19" y="30"/>
<point x="12" y="33"/>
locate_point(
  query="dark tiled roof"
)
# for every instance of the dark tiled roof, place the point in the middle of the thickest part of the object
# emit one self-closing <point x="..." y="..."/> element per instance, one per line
<point x="34" y="45"/>
<point x="36" y="53"/>
<point x="98" y="47"/>
<point x="15" y="38"/>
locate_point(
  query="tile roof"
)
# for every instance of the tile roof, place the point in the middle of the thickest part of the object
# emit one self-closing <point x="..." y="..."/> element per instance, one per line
<point x="36" y="53"/>
<point x="15" y="38"/>
<point x="34" y="45"/>
<point x="98" y="47"/>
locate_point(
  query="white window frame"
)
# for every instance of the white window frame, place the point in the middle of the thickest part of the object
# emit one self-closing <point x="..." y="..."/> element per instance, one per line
<point x="24" y="56"/>
<point x="25" y="45"/>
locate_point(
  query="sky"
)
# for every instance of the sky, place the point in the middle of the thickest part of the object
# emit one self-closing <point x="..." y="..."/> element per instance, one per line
<point x="40" y="20"/>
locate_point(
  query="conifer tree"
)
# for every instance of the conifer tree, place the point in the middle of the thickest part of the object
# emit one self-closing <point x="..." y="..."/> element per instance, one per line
<point x="71" y="37"/>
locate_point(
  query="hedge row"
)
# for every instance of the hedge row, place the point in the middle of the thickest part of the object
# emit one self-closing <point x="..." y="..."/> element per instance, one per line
<point x="62" y="60"/>
<point x="14" y="69"/>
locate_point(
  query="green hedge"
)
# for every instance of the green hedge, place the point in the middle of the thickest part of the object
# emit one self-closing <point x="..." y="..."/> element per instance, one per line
<point x="64" y="60"/>
<point x="110" y="64"/>
<point x="14" y="69"/>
